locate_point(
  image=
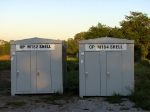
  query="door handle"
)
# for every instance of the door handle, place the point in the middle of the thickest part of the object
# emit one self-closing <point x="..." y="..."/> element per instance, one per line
<point x="38" y="72"/>
<point x="108" y="73"/>
<point x="17" y="73"/>
<point x="86" y="73"/>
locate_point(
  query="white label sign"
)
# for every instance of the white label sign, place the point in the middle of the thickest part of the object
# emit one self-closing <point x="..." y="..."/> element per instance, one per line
<point x="35" y="47"/>
<point x="105" y="47"/>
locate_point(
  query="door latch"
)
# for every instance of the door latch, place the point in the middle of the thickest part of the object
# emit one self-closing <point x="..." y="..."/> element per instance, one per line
<point x="108" y="73"/>
<point x="17" y="73"/>
<point x="86" y="73"/>
<point x="38" y="72"/>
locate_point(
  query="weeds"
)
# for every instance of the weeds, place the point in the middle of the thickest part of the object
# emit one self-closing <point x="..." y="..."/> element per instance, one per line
<point x="56" y="103"/>
<point x="116" y="98"/>
<point x="124" y="108"/>
<point x="3" y="107"/>
<point x="67" y="96"/>
<point x="110" y="109"/>
<point x="72" y="65"/>
<point x="141" y="94"/>
<point x="37" y="101"/>
<point x="53" y="97"/>
<point x="72" y="71"/>
<point x="72" y="79"/>
<point x="4" y="86"/>
<point x="16" y="103"/>
<point x="7" y="85"/>
<point x="4" y="65"/>
<point x="6" y="93"/>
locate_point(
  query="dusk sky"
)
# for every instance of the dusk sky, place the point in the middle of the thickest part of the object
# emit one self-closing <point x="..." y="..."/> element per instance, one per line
<point x="62" y="19"/>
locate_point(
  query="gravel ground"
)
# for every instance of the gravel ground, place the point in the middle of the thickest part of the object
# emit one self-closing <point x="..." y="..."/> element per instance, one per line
<point x="37" y="103"/>
<point x="96" y="104"/>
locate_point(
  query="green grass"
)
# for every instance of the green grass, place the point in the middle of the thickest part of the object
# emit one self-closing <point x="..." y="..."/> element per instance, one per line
<point x="37" y="101"/>
<point x="116" y="98"/>
<point x="141" y="94"/>
<point x="3" y="107"/>
<point x="72" y="71"/>
<point x="67" y="96"/>
<point x="56" y="103"/>
<point x="53" y="97"/>
<point x="22" y="103"/>
<point x="72" y="78"/>
<point x="71" y="58"/>
<point x="5" y="65"/>
<point x="110" y="109"/>
<point x="5" y="86"/>
<point x="124" y="108"/>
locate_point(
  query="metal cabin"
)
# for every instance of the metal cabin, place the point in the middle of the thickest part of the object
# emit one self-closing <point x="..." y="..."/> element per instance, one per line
<point x="106" y="66"/>
<point x="38" y="66"/>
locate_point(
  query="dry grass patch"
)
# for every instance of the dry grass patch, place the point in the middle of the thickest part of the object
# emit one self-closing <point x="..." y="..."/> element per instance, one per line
<point x="5" y="57"/>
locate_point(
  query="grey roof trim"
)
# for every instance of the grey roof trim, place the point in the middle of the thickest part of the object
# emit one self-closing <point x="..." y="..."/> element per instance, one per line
<point x="105" y="40"/>
<point x="36" y="40"/>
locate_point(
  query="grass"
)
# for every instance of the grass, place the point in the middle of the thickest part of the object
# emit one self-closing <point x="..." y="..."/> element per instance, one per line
<point x="56" y="103"/>
<point x="4" y="86"/>
<point x="71" y="58"/>
<point x="5" y="57"/>
<point x="5" y="65"/>
<point x="72" y="78"/>
<point x="16" y="103"/>
<point x="110" y="109"/>
<point x="37" y="101"/>
<point x="141" y="94"/>
<point x="116" y="98"/>
<point x="72" y="71"/>
<point x="3" y="107"/>
<point x="67" y="96"/>
<point x="53" y="97"/>
<point x="124" y="108"/>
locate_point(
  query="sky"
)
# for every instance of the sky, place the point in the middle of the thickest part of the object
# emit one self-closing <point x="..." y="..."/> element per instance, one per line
<point x="62" y="19"/>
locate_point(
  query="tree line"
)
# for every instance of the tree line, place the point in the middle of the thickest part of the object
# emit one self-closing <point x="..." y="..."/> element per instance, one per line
<point x="4" y="47"/>
<point x="135" y="26"/>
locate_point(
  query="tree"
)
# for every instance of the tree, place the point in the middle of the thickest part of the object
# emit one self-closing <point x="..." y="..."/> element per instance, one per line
<point x="116" y="33"/>
<point x="4" y="47"/>
<point x="136" y="26"/>
<point x="72" y="47"/>
<point x="80" y="36"/>
<point x="98" y="31"/>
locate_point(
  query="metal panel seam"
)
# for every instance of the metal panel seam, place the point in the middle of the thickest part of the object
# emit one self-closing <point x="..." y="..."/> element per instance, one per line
<point x="100" y="72"/>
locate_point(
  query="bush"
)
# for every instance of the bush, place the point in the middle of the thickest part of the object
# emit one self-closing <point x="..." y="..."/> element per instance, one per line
<point x="116" y="98"/>
<point x="141" y="93"/>
<point x="145" y="62"/>
<point x="72" y="63"/>
<point x="5" y="65"/>
<point x="72" y="71"/>
<point x="72" y="66"/>
<point x="73" y="78"/>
